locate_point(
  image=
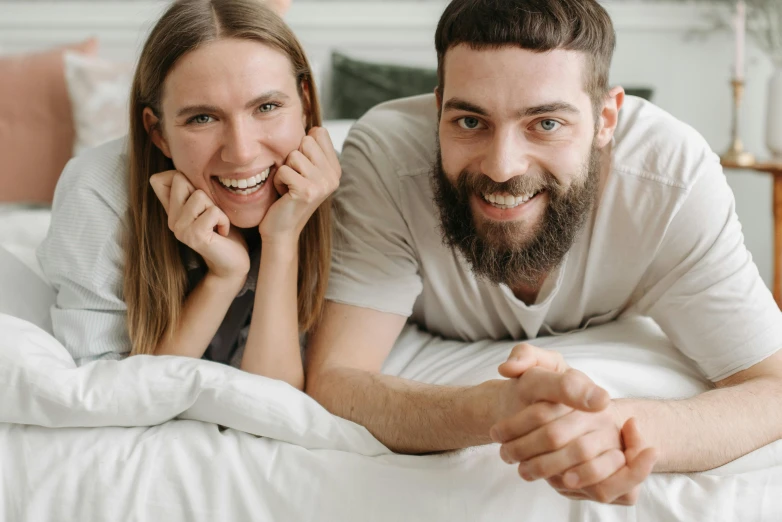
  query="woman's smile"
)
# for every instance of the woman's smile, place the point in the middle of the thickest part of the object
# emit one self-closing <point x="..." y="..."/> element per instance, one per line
<point x="246" y="188"/>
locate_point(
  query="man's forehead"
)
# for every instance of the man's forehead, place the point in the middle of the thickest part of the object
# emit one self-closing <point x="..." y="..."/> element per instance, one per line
<point x="489" y="71"/>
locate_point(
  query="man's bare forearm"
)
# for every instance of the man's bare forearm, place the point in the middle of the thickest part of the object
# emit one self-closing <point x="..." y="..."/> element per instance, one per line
<point x="712" y="429"/>
<point x="406" y="416"/>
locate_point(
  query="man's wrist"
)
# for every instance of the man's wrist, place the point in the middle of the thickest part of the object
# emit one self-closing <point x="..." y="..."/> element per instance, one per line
<point x="487" y="405"/>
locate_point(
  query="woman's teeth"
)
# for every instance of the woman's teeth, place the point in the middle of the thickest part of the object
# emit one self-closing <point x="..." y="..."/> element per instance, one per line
<point x="506" y="201"/>
<point x="245" y="186"/>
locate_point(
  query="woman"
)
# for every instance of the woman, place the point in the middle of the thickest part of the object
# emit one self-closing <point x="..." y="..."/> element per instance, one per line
<point x="221" y="239"/>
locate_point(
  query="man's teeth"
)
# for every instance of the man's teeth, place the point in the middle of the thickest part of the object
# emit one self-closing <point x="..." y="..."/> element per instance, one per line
<point x="248" y="183"/>
<point x="507" y="200"/>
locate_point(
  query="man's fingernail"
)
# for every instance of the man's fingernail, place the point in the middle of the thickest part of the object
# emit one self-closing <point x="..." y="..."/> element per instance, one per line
<point x="570" y="479"/>
<point x="590" y="396"/>
<point x="594" y="397"/>
<point x="504" y="455"/>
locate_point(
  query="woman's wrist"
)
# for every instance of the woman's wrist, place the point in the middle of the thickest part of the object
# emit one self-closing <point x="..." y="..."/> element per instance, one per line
<point x="228" y="283"/>
<point x="284" y="246"/>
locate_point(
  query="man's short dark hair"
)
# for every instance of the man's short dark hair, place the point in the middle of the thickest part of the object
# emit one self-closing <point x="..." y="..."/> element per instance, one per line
<point x="535" y="25"/>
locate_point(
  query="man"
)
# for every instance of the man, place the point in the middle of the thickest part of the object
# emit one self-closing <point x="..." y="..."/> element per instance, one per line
<point x="557" y="211"/>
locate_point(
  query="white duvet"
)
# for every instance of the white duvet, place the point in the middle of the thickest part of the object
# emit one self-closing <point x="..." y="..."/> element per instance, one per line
<point x="176" y="439"/>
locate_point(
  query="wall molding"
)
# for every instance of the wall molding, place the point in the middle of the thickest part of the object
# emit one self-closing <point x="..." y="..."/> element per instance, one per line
<point x="23" y="25"/>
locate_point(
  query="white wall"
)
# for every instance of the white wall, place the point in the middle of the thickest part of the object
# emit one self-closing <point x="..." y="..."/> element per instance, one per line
<point x="655" y="48"/>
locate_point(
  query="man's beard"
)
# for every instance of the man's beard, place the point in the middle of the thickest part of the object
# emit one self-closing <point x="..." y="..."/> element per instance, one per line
<point x="510" y="252"/>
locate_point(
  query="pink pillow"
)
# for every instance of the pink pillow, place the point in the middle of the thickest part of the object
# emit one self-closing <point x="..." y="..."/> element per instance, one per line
<point x="36" y="124"/>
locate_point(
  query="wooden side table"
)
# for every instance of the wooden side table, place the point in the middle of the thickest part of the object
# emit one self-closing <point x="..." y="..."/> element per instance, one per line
<point x="775" y="169"/>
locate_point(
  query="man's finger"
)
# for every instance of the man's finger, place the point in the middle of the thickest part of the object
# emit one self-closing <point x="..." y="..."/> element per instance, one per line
<point x="577" y="452"/>
<point x="595" y="471"/>
<point x="624" y="481"/>
<point x="527" y="420"/>
<point x="525" y="356"/>
<point x="555" y="436"/>
<point x="633" y="439"/>
<point x="571" y="388"/>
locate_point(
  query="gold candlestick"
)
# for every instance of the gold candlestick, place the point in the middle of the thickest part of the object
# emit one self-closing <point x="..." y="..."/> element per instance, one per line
<point x="736" y="155"/>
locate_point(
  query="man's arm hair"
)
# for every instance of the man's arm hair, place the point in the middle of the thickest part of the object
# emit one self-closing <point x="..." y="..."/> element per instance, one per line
<point x="344" y="359"/>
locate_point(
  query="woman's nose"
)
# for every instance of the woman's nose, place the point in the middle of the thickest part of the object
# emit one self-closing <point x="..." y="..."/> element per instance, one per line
<point x="240" y="145"/>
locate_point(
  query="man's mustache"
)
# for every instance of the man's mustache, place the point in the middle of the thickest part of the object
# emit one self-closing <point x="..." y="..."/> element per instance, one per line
<point x="522" y="185"/>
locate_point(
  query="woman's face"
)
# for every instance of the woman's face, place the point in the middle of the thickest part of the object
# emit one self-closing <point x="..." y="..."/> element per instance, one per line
<point x="231" y="114"/>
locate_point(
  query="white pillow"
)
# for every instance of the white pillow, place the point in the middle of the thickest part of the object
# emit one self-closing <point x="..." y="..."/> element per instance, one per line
<point x="99" y="90"/>
<point x="338" y="130"/>
<point x="24" y="293"/>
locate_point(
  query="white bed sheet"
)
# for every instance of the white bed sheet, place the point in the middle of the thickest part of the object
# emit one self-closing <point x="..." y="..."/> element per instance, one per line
<point x="157" y="452"/>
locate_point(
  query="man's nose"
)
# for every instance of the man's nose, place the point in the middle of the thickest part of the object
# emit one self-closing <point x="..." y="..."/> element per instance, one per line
<point x="240" y="144"/>
<point x="507" y="157"/>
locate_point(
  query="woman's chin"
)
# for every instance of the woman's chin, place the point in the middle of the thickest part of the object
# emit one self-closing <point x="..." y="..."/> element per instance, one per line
<point x="243" y="220"/>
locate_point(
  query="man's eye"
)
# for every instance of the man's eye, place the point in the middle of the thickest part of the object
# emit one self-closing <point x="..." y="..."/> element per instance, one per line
<point x="549" y="125"/>
<point x="469" y="123"/>
<point x="200" y="119"/>
<point x="268" y="107"/>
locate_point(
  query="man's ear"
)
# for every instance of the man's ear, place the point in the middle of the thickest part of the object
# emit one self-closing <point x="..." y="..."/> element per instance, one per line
<point x="438" y="96"/>
<point x="152" y="126"/>
<point x="609" y="116"/>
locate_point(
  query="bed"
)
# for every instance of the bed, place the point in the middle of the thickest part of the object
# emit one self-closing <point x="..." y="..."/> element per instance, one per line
<point x="170" y="438"/>
<point x="173" y="439"/>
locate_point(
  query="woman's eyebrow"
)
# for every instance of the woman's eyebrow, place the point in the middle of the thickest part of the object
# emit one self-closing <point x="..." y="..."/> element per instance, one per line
<point x="267" y="97"/>
<point x="258" y="100"/>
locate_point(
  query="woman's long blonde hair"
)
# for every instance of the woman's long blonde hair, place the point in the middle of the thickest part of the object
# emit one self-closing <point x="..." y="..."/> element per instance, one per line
<point x="155" y="276"/>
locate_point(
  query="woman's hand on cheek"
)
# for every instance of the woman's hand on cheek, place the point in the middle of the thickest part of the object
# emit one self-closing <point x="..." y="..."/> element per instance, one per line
<point x="198" y="223"/>
<point x="309" y="176"/>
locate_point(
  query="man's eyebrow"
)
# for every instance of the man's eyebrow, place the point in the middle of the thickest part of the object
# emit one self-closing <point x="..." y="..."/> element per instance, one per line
<point x="547" y="109"/>
<point x="258" y="100"/>
<point x="457" y="104"/>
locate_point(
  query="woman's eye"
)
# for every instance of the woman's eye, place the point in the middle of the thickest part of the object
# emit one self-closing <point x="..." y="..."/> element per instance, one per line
<point x="549" y="125"/>
<point x="469" y="123"/>
<point x="267" y="107"/>
<point x="200" y="119"/>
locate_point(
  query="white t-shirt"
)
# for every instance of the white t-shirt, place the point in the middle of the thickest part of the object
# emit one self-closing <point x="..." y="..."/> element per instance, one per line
<point x="83" y="258"/>
<point x="664" y="241"/>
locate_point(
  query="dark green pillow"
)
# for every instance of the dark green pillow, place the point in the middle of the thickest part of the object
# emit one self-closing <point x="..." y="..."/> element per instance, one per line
<point x="357" y="86"/>
<point x="641" y="92"/>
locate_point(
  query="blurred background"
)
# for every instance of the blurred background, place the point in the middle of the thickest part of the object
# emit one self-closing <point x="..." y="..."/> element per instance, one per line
<point x="680" y="54"/>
